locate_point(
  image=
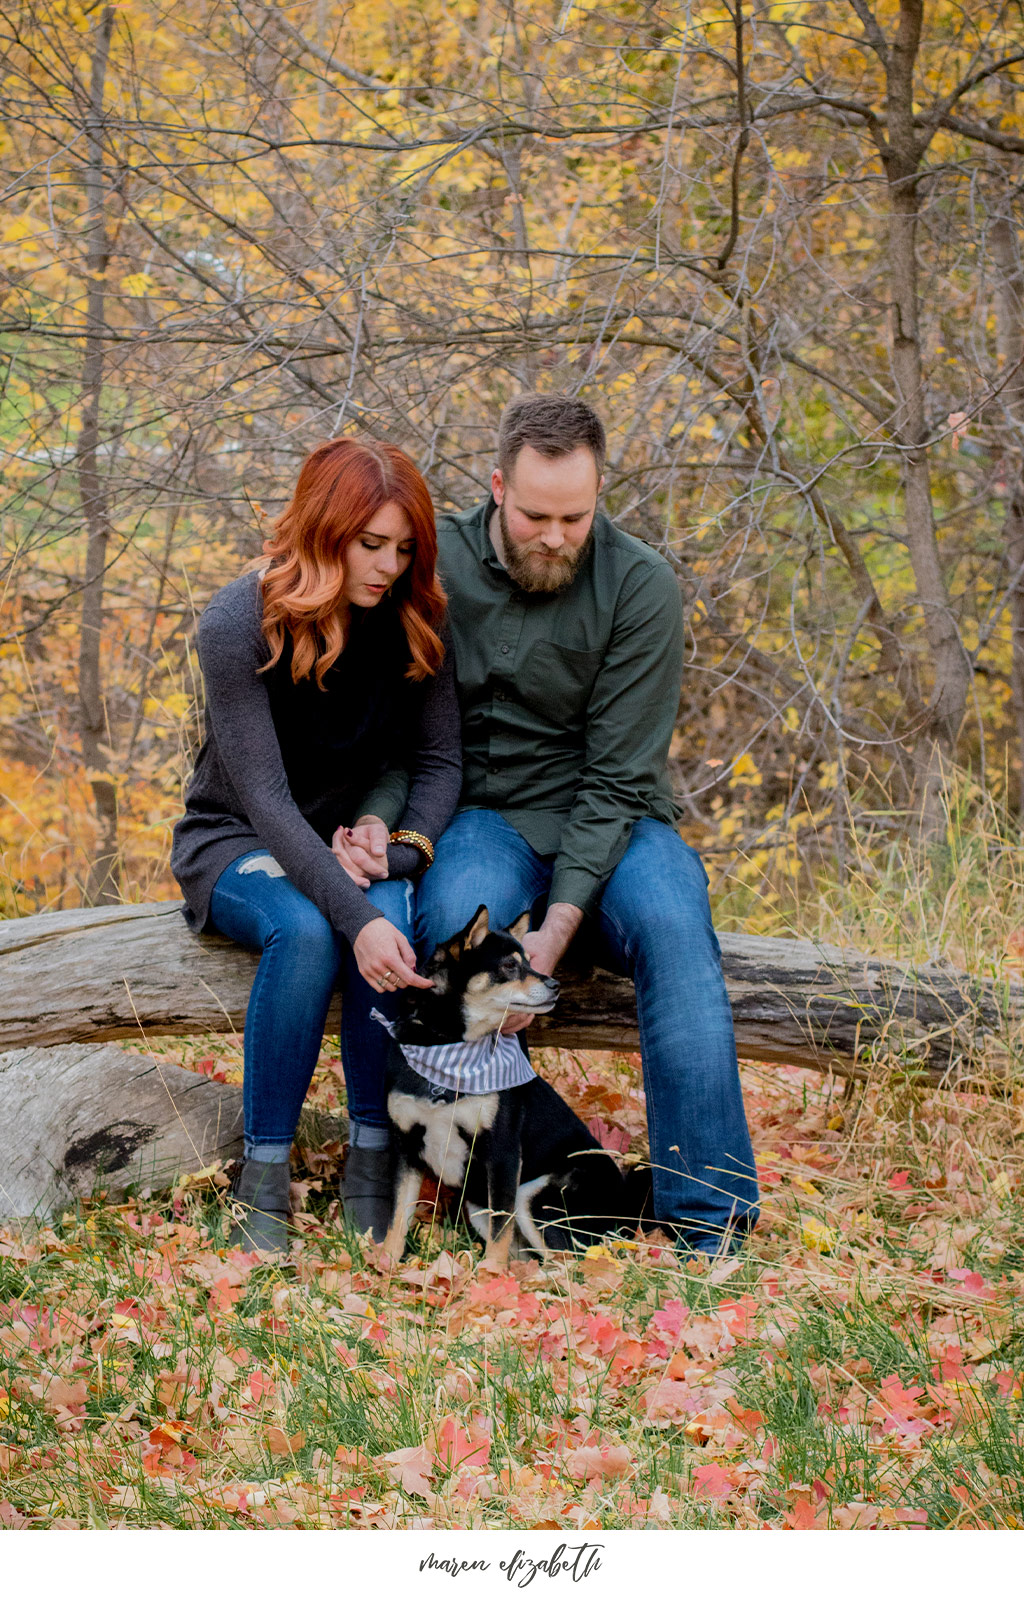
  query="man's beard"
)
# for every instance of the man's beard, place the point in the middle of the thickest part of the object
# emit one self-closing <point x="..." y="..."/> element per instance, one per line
<point x="539" y="574"/>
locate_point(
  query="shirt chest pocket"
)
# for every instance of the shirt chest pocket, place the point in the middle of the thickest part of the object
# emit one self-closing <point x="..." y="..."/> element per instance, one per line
<point x="557" y="681"/>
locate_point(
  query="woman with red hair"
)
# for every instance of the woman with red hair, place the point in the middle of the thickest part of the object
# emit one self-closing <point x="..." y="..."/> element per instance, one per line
<point x="323" y="666"/>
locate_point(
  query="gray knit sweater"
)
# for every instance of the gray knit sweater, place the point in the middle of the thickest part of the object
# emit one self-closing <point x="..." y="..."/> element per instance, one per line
<point x="283" y="764"/>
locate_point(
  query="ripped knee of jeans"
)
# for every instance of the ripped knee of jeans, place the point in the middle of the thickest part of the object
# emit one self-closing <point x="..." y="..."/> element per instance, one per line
<point x="263" y="863"/>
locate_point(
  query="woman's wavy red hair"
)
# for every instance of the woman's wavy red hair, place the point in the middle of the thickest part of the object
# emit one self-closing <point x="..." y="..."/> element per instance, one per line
<point x="342" y="483"/>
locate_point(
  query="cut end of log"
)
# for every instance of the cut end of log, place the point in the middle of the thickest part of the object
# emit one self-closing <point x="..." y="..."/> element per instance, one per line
<point x="66" y="1133"/>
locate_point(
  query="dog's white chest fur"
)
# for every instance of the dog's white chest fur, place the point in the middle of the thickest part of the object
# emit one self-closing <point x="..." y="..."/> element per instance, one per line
<point x="444" y="1149"/>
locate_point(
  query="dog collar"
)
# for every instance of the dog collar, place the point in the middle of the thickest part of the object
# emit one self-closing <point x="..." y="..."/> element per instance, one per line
<point x="474" y="1066"/>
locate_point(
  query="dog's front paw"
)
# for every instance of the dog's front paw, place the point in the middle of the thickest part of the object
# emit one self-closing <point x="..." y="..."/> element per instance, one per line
<point x="496" y="1257"/>
<point x="387" y="1256"/>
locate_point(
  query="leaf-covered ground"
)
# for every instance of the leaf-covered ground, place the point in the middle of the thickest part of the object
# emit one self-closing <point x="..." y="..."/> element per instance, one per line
<point x="860" y="1365"/>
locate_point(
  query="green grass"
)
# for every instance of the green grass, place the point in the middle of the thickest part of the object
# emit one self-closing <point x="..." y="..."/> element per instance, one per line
<point x="128" y="1370"/>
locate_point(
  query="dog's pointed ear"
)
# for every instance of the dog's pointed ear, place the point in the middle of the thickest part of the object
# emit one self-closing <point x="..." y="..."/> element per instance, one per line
<point x="474" y="933"/>
<point x="476" y="930"/>
<point x="520" y="926"/>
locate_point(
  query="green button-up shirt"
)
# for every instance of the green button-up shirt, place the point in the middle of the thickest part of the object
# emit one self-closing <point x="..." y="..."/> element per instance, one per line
<point x="568" y="699"/>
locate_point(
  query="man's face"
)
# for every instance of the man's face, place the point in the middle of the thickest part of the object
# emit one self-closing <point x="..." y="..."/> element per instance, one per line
<point x="545" y="513"/>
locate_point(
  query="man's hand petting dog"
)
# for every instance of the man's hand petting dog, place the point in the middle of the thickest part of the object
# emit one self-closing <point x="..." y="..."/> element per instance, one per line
<point x="545" y="948"/>
<point x="386" y="958"/>
<point x="363" y="850"/>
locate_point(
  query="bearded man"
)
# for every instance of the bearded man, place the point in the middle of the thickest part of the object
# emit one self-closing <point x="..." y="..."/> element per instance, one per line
<point x="568" y="638"/>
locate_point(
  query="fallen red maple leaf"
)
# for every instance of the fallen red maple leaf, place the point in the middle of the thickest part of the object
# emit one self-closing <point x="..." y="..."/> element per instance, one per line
<point x="592" y="1461"/>
<point x="738" y="1316"/>
<point x="713" y="1482"/>
<point x="411" y="1468"/>
<point x="611" y="1138"/>
<point x="670" y="1318"/>
<point x="803" y="1515"/>
<point x="453" y="1446"/>
<point x="223" y="1294"/>
<point x="284" y="1444"/>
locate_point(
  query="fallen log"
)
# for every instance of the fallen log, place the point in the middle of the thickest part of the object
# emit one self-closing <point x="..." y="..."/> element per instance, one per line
<point x="78" y="1111"/>
<point x="119" y="972"/>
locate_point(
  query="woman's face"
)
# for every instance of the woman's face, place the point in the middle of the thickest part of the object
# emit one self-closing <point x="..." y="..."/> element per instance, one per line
<point x="377" y="556"/>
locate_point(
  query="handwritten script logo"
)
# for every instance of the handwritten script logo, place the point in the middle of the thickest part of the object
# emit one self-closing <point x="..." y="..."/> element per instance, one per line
<point x="574" y="1561"/>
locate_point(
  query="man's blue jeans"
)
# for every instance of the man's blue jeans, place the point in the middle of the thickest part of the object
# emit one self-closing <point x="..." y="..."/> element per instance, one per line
<point x="302" y="960"/>
<point x="654" y="925"/>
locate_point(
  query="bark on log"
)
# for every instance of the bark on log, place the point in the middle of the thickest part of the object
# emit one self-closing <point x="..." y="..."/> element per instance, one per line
<point x="132" y="971"/>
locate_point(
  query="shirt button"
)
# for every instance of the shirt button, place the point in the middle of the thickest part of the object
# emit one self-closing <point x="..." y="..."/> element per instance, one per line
<point x="504" y="649"/>
<point x="492" y="772"/>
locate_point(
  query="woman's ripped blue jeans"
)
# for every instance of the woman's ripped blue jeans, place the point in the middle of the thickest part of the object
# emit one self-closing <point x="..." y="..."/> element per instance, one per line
<point x="302" y="960"/>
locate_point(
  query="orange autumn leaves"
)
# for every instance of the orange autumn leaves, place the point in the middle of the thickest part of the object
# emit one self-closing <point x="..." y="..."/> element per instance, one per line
<point x="450" y="1449"/>
<point x="220" y="1416"/>
<point x="148" y="1378"/>
<point x="193" y="1422"/>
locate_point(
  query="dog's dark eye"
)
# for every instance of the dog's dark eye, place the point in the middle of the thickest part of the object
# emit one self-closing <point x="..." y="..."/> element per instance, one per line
<point x="510" y="967"/>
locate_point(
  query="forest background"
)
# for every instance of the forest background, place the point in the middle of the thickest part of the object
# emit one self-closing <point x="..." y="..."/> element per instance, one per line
<point x="776" y="246"/>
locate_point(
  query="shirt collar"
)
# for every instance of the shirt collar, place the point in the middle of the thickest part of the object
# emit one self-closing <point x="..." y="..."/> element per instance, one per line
<point x="488" y="554"/>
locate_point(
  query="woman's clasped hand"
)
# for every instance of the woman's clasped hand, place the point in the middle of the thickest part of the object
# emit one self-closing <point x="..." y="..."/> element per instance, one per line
<point x="383" y="954"/>
<point x="363" y="850"/>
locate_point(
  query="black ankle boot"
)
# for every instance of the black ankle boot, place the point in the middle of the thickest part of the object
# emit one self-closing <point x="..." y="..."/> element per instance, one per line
<point x="366" y="1191"/>
<point x="261" y="1193"/>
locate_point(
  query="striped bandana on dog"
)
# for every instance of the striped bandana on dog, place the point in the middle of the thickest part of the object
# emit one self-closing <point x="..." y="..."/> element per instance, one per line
<point x="470" y="1066"/>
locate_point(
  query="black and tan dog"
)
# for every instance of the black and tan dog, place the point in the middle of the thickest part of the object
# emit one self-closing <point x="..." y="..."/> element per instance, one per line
<point x="529" y="1172"/>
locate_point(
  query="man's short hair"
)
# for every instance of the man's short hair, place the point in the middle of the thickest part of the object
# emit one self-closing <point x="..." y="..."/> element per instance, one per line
<point x="553" y="425"/>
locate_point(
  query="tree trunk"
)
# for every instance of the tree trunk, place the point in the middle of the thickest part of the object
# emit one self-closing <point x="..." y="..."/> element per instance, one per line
<point x="103" y="880"/>
<point x="1006" y="253"/>
<point x="935" y="744"/>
